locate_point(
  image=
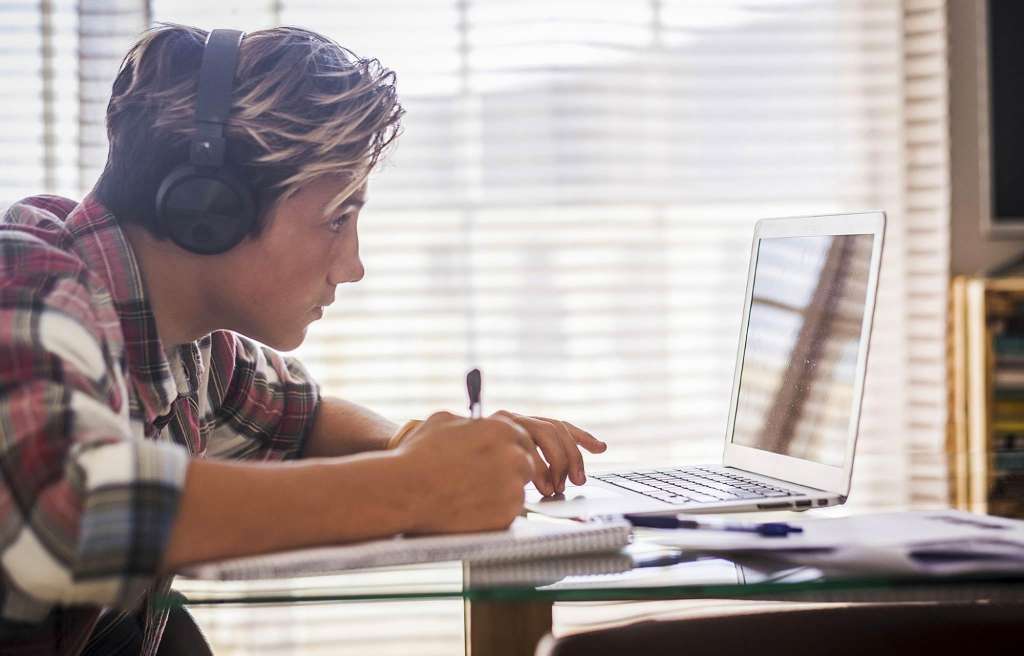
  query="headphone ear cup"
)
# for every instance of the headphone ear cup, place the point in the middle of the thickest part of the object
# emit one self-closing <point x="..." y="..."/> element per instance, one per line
<point x="205" y="212"/>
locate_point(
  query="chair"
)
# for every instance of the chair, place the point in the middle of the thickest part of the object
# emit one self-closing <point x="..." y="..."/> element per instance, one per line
<point x="852" y="630"/>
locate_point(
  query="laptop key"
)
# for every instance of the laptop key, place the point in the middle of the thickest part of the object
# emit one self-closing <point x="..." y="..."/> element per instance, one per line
<point x="716" y="485"/>
<point x="702" y="489"/>
<point x="630" y="485"/>
<point x="697" y="496"/>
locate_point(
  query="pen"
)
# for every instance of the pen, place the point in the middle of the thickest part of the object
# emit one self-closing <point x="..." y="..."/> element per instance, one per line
<point x="765" y="529"/>
<point x="665" y="560"/>
<point x="473" y="387"/>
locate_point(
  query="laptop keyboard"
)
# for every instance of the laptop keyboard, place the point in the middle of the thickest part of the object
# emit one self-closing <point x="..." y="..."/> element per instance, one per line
<point x="695" y="484"/>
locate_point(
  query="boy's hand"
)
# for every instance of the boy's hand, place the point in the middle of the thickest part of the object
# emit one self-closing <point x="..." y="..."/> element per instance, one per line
<point x="560" y="443"/>
<point x="468" y="474"/>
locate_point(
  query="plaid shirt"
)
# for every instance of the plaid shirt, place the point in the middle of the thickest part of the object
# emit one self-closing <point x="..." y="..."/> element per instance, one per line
<point x="98" y="422"/>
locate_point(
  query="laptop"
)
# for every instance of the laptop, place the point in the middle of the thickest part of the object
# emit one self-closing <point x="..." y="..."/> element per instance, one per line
<point x="797" y="385"/>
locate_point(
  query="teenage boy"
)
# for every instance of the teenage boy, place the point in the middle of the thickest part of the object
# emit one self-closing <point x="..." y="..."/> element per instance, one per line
<point x="141" y="420"/>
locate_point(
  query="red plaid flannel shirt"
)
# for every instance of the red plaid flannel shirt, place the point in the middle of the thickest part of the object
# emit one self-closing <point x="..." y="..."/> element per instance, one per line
<point x="97" y="421"/>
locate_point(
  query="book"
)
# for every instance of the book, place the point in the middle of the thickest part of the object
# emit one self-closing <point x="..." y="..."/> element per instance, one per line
<point x="958" y="364"/>
<point x="986" y="400"/>
<point x="523" y="540"/>
<point x="979" y="358"/>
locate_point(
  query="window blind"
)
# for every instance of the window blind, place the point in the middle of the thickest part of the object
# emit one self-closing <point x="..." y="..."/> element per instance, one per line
<point x="926" y="203"/>
<point x="571" y="207"/>
<point x="571" y="204"/>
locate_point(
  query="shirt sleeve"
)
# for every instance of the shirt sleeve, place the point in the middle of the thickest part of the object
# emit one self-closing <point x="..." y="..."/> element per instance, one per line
<point x="263" y="402"/>
<point x="86" y="506"/>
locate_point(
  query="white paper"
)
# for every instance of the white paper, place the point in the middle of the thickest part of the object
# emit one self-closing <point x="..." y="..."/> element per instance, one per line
<point x="934" y="542"/>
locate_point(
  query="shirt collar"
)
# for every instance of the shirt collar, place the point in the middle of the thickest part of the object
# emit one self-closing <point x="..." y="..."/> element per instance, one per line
<point x="99" y="241"/>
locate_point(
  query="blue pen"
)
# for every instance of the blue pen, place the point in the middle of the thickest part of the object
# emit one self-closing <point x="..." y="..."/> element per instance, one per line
<point x="765" y="529"/>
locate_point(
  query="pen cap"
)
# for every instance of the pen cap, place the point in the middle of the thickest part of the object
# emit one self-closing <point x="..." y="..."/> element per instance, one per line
<point x="473" y="386"/>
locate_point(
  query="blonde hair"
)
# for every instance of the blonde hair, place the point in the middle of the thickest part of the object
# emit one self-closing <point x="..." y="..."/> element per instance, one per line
<point x="302" y="107"/>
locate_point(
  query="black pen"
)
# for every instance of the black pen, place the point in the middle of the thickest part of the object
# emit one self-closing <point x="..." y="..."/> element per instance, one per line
<point x="473" y="387"/>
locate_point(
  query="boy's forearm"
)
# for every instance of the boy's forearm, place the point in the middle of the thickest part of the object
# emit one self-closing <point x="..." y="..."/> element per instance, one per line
<point x="231" y="509"/>
<point x="343" y="428"/>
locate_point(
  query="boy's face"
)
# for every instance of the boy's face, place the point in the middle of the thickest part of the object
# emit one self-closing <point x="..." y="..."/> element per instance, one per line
<point x="278" y="283"/>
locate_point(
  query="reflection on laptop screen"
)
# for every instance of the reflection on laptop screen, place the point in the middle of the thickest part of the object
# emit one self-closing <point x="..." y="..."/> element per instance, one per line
<point x="803" y="334"/>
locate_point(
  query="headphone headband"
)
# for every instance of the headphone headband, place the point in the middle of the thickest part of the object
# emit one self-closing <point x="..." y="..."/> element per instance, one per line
<point x="204" y="206"/>
<point x="216" y="80"/>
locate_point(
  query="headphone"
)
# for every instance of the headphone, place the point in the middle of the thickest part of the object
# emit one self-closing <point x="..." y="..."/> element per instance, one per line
<point x="204" y="206"/>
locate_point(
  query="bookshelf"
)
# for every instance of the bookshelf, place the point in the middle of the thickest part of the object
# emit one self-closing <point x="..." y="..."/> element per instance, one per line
<point x="986" y="430"/>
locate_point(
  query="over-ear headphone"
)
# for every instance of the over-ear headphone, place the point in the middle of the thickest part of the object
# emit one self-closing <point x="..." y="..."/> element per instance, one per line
<point x="204" y="206"/>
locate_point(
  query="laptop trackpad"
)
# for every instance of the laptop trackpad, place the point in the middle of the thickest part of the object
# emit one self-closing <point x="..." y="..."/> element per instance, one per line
<point x="590" y="499"/>
<point x="572" y="492"/>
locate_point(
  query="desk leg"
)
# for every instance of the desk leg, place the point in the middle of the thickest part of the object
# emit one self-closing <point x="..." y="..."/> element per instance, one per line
<point x="505" y="628"/>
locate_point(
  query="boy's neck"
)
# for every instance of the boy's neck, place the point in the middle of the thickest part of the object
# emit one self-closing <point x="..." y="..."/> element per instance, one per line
<point x="175" y="286"/>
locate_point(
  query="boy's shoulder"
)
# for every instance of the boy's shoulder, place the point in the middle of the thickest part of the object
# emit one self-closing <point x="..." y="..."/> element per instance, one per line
<point x="32" y="209"/>
<point x="41" y="271"/>
<point x="34" y="239"/>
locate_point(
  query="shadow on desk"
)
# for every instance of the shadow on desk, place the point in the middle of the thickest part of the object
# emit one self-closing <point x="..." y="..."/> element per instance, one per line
<point x="854" y="630"/>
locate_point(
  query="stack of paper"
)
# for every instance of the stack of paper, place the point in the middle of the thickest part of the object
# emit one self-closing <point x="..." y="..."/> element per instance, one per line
<point x="947" y="542"/>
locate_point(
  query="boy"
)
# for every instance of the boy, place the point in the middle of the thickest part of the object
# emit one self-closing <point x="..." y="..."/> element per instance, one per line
<point x="132" y="385"/>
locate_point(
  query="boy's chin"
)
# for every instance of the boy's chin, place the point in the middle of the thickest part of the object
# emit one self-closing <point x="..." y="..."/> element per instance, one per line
<point x="282" y="341"/>
<point x="289" y="343"/>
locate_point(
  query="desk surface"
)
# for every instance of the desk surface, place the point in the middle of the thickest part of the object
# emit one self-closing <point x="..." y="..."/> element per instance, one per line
<point x="508" y="608"/>
<point x="645" y="571"/>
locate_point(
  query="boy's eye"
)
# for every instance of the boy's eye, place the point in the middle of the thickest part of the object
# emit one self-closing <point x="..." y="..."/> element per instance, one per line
<point x="339" y="222"/>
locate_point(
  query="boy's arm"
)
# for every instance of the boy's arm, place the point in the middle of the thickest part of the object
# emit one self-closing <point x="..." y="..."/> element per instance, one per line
<point x="343" y="428"/>
<point x="87" y="506"/>
<point x="453" y="475"/>
<point x="232" y="509"/>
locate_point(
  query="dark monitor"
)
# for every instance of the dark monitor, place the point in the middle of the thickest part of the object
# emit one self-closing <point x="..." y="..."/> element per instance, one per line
<point x="1005" y="72"/>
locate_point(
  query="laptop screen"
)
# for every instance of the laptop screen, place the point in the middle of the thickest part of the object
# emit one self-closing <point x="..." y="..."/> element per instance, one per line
<point x="803" y="335"/>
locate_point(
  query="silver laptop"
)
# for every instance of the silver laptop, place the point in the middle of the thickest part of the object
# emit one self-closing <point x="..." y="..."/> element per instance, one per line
<point x="797" y="385"/>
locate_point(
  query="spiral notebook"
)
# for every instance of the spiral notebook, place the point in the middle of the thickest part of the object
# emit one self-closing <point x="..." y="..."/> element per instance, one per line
<point x="547" y="570"/>
<point x="523" y="540"/>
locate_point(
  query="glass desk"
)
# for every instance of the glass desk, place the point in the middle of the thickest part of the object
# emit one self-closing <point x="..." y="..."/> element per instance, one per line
<point x="508" y="606"/>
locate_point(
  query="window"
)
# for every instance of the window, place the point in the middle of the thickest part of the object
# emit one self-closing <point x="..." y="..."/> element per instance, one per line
<point x="571" y="205"/>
